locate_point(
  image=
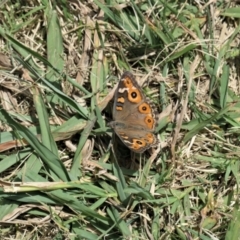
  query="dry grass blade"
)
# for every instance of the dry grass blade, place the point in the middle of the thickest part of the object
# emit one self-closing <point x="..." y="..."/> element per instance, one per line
<point x="184" y="109"/>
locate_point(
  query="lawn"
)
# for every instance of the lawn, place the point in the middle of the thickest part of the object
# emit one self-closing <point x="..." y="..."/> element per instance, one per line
<point x="65" y="174"/>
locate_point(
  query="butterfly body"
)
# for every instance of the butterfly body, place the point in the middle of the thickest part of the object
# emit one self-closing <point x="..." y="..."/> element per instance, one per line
<point x="134" y="118"/>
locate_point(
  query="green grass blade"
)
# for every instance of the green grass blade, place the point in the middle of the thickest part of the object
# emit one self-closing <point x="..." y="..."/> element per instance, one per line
<point x="46" y="136"/>
<point x="233" y="227"/>
<point x="47" y="156"/>
<point x="54" y="46"/>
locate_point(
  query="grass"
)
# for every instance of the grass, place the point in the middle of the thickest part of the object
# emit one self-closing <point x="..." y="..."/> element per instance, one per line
<point x="59" y="63"/>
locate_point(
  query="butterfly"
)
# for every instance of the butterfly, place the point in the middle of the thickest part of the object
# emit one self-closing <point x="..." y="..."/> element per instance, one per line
<point x="134" y="118"/>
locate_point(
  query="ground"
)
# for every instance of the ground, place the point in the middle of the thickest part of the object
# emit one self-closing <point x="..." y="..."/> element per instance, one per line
<point x="65" y="174"/>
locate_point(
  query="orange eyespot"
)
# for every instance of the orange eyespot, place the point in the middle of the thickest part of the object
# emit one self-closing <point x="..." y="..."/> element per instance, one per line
<point x="144" y="108"/>
<point x="149" y="121"/>
<point x="150" y="138"/>
<point x="127" y="82"/>
<point x="134" y="96"/>
<point x="138" y="143"/>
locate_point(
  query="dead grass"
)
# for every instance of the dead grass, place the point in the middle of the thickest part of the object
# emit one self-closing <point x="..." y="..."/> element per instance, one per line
<point x="60" y="178"/>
